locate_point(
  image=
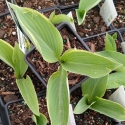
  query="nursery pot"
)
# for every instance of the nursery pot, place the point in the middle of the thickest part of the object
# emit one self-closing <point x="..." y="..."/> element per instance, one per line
<point x="62" y="26"/>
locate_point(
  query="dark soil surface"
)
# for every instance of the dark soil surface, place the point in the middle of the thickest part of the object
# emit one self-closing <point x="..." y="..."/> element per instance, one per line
<point x="21" y="115"/>
<point x="46" y="69"/>
<point x="93" y="23"/>
<point x="98" y="43"/>
<point x="3" y="7"/>
<point x="119" y="22"/>
<point x="68" y="2"/>
<point x="37" y="4"/>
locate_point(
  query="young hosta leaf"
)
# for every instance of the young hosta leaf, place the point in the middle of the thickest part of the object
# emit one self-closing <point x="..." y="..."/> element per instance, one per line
<point x="58" y="98"/>
<point x="39" y="120"/>
<point x="82" y="105"/>
<point x="116" y="80"/>
<point x="28" y="93"/>
<point x="19" y="62"/>
<point x="114" y="36"/>
<point x="87" y="63"/>
<point x="6" y="51"/>
<point x="41" y="32"/>
<point x="84" y="6"/>
<point x="80" y="16"/>
<point x="109" y="108"/>
<point x="116" y="56"/>
<point x="56" y="19"/>
<point x="110" y="43"/>
<point x="94" y="87"/>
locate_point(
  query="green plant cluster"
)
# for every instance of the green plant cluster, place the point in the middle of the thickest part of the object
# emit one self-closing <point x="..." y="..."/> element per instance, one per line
<point x="48" y="41"/>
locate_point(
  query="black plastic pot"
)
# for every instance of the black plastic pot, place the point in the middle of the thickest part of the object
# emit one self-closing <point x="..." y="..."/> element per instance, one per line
<point x="3" y="114"/>
<point x="61" y="26"/>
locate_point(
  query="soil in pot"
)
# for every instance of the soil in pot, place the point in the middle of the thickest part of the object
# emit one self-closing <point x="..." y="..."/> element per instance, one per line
<point x="89" y="117"/>
<point x="68" y="2"/>
<point x="123" y="35"/>
<point x="97" y="43"/>
<point x="3" y="7"/>
<point x="46" y="69"/>
<point x="37" y="4"/>
<point x="119" y="21"/>
<point x="93" y="23"/>
<point x="20" y="114"/>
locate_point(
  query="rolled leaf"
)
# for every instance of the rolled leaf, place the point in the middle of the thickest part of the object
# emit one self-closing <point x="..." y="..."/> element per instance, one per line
<point x="39" y="120"/>
<point x="6" y="52"/>
<point x="28" y="93"/>
<point x="82" y="105"/>
<point x="94" y="87"/>
<point x="110" y="43"/>
<point x="41" y="32"/>
<point x="109" y="108"/>
<point x="58" y="98"/>
<point x="87" y="63"/>
<point x="80" y="16"/>
<point x="116" y="80"/>
<point x="19" y="62"/>
<point x="84" y="6"/>
<point x="56" y="19"/>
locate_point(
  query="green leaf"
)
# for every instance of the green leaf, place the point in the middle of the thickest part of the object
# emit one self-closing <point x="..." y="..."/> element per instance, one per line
<point x="28" y="93"/>
<point x="82" y="105"/>
<point x="56" y="19"/>
<point x="41" y="32"/>
<point x="6" y="51"/>
<point x="19" y="62"/>
<point x="58" y="98"/>
<point x="39" y="120"/>
<point x="84" y="6"/>
<point x="87" y="5"/>
<point x="87" y="63"/>
<point x="116" y="80"/>
<point x="94" y="87"/>
<point x="110" y="43"/>
<point x="115" y="56"/>
<point x="109" y="108"/>
<point x="80" y="16"/>
<point x="114" y="36"/>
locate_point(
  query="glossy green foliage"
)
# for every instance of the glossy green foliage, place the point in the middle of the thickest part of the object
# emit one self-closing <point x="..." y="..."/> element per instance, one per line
<point x="20" y="65"/>
<point x="6" y="53"/>
<point x="84" y="6"/>
<point x="56" y="19"/>
<point x="58" y="97"/>
<point x="41" y="32"/>
<point x="94" y="89"/>
<point x="110" y="42"/>
<point x="39" y="120"/>
<point x="72" y="60"/>
<point x="28" y="92"/>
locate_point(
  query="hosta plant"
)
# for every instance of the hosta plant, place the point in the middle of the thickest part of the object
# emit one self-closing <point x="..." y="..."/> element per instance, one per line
<point x="116" y="78"/>
<point x="93" y="90"/>
<point x="14" y="57"/>
<point x="84" y="7"/>
<point x="49" y="43"/>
